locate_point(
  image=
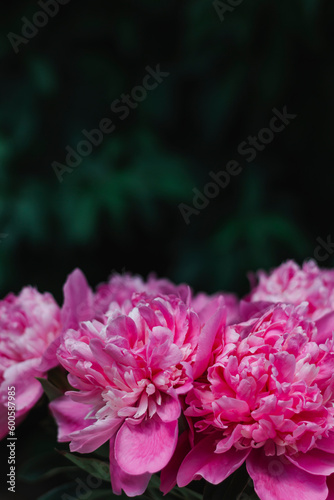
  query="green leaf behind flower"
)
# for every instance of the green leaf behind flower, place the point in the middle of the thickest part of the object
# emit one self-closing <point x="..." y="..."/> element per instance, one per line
<point x="96" y="468"/>
<point x="50" y="390"/>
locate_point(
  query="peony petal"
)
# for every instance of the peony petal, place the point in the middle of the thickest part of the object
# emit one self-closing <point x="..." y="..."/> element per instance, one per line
<point x="162" y="353"/>
<point x="285" y="365"/>
<point x="206" y="341"/>
<point x="49" y="359"/>
<point x="326" y="444"/>
<point x="214" y="467"/>
<point x="315" y="462"/>
<point x="252" y="309"/>
<point x="78" y="301"/>
<point x="120" y="480"/>
<point x="231" y="408"/>
<point x="275" y="478"/>
<point x="325" y="327"/>
<point x="170" y="409"/>
<point x="145" y="447"/>
<point x="95" y="435"/>
<point x="27" y="389"/>
<point x="69" y="415"/>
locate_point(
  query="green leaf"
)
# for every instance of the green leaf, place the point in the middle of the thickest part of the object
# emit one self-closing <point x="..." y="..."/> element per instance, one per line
<point x="96" y="468"/>
<point x="43" y="466"/>
<point x="73" y="491"/>
<point x="238" y="485"/>
<point x="50" y="390"/>
<point x="185" y="493"/>
<point x="153" y="490"/>
<point x="103" y="451"/>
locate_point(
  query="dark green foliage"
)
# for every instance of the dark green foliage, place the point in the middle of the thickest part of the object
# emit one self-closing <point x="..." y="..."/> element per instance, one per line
<point x="119" y="208"/>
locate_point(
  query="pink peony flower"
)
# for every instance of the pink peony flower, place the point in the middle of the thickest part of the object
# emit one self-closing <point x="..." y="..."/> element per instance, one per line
<point x="268" y="400"/>
<point x="82" y="304"/>
<point x="29" y="322"/>
<point x="205" y="305"/>
<point x="290" y="283"/>
<point x="128" y="372"/>
<point x="121" y="288"/>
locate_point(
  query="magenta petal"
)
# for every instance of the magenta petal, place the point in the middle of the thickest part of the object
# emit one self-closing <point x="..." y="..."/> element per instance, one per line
<point x="214" y="467"/>
<point x="252" y="309"/>
<point x="275" y="478"/>
<point x="206" y="340"/>
<point x="315" y="462"/>
<point x="78" y="301"/>
<point x="28" y="389"/>
<point x="49" y="358"/>
<point x="120" y="480"/>
<point x="326" y="444"/>
<point x="145" y="447"/>
<point x="69" y="415"/>
<point x="170" y="409"/>
<point x="95" y="435"/>
<point x="325" y="327"/>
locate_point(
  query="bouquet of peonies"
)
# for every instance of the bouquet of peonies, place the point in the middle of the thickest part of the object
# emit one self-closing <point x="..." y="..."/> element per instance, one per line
<point x="181" y="386"/>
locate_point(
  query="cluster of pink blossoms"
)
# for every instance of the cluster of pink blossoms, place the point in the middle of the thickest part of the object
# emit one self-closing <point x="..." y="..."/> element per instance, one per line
<point x="29" y="323"/>
<point x="188" y="386"/>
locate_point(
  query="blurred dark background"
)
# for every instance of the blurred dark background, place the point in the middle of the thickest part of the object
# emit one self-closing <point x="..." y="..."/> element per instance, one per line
<point x="119" y="209"/>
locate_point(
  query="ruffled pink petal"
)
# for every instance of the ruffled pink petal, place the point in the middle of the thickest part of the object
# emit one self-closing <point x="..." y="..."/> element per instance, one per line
<point x="49" y="359"/>
<point x="202" y="461"/>
<point x="206" y="305"/>
<point x="120" y="480"/>
<point x="252" y="309"/>
<point x="315" y="462"/>
<point x="275" y="478"/>
<point x="326" y="444"/>
<point x="69" y="415"/>
<point x="77" y="307"/>
<point x="169" y="473"/>
<point x="325" y="327"/>
<point x="95" y="435"/>
<point x="170" y="409"/>
<point x="145" y="447"/>
<point x="162" y="353"/>
<point x="27" y="389"/>
<point x="78" y="301"/>
<point x="206" y="341"/>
